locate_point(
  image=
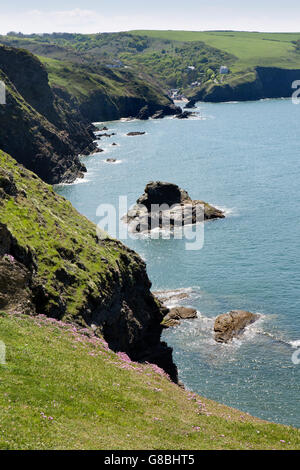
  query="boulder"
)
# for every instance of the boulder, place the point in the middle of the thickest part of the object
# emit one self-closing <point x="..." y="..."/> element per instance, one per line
<point x="232" y="324"/>
<point x="178" y="313"/>
<point x="179" y="209"/>
<point x="132" y="134"/>
<point x="111" y="160"/>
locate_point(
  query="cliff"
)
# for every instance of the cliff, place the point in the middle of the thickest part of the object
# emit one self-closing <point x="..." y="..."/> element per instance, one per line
<point x="52" y="262"/>
<point x="263" y="82"/>
<point x="46" y="122"/>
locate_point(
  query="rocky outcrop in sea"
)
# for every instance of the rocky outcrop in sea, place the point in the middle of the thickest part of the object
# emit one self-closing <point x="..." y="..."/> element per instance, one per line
<point x="166" y="205"/>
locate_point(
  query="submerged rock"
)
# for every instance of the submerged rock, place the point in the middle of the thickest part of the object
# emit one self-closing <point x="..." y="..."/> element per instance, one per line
<point x="167" y="205"/>
<point x="232" y="324"/>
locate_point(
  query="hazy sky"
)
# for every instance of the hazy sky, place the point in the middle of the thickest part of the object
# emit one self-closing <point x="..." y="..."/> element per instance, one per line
<point x="121" y="15"/>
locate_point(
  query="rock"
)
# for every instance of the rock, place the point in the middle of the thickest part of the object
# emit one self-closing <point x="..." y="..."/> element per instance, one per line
<point x="179" y="209"/>
<point x="170" y="322"/>
<point x="115" y="293"/>
<point x="144" y="113"/>
<point x="185" y="115"/>
<point x="159" y="114"/>
<point x="232" y="324"/>
<point x="111" y="160"/>
<point x="176" y="314"/>
<point x="132" y="134"/>
<point x="104" y="129"/>
<point x="169" y="111"/>
<point x="97" y="150"/>
<point x="114" y="144"/>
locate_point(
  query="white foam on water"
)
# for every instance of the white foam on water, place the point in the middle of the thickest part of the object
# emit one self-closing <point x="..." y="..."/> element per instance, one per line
<point x="295" y="344"/>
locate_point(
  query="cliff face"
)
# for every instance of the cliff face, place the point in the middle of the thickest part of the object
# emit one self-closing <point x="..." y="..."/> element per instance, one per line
<point x="52" y="262"/>
<point x="264" y="82"/>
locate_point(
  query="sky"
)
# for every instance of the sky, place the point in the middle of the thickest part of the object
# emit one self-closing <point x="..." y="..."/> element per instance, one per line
<point x="93" y="16"/>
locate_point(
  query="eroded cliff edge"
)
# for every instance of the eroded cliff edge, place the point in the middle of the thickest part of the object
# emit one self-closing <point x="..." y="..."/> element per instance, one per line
<point x="52" y="262"/>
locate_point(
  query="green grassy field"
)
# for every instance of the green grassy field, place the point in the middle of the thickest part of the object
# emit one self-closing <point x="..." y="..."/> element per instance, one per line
<point x="63" y="389"/>
<point x="251" y="49"/>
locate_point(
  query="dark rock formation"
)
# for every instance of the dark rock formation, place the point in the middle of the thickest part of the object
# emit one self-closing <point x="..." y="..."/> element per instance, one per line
<point x="166" y="202"/>
<point x="111" y="160"/>
<point x="265" y="82"/>
<point x="176" y="314"/>
<point x="132" y="134"/>
<point x="232" y="324"/>
<point x="37" y="124"/>
<point x="144" y="113"/>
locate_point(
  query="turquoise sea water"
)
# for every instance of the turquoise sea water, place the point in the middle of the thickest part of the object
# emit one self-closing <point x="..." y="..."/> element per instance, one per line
<point x="243" y="157"/>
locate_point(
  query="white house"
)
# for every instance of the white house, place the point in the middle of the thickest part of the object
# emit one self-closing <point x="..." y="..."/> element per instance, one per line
<point x="224" y="70"/>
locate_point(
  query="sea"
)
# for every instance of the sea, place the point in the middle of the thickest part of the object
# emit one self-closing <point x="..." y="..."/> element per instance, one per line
<point x="243" y="158"/>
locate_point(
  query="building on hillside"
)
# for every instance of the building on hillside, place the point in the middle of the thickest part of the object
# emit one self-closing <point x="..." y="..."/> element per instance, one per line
<point x="224" y="70"/>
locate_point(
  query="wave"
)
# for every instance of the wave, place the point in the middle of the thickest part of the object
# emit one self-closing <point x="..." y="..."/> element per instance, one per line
<point x="173" y="297"/>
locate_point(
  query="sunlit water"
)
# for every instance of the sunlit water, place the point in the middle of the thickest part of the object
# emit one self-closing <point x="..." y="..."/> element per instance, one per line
<point x="243" y="157"/>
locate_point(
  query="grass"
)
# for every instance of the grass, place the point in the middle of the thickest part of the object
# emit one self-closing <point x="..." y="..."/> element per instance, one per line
<point x="63" y="389"/>
<point x="61" y="240"/>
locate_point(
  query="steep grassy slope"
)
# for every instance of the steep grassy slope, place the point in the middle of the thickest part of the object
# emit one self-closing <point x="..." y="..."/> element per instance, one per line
<point x="53" y="262"/>
<point x="62" y="389"/>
